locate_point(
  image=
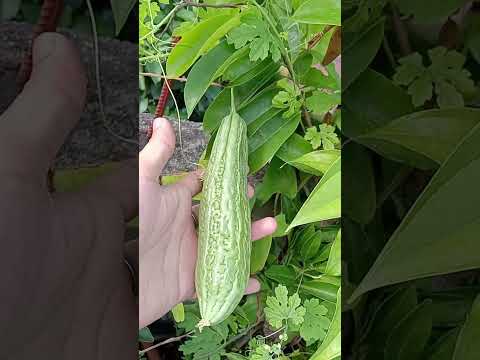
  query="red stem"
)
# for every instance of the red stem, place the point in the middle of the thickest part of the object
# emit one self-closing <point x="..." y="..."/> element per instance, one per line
<point x="47" y="22"/>
<point x="164" y="96"/>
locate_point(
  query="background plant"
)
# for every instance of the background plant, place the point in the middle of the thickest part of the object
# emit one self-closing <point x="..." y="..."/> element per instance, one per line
<point x="410" y="97"/>
<point x="278" y="57"/>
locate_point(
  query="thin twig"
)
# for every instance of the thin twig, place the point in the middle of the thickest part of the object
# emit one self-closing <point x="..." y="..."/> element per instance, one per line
<point x="388" y="52"/>
<point x="401" y="32"/>
<point x="181" y="79"/>
<point x="98" y="78"/>
<point x="214" y="6"/>
<point x="168" y="341"/>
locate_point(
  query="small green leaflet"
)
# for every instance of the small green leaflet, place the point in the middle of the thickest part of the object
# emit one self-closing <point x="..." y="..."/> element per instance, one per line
<point x="445" y="75"/>
<point x="325" y="138"/>
<point x="316" y="323"/>
<point x="255" y="32"/>
<point x="178" y="313"/>
<point x="144" y="335"/>
<point x="289" y="98"/>
<point x="283" y="309"/>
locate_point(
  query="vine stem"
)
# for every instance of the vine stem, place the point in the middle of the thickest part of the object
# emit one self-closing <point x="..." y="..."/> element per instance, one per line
<point x="168" y="341"/>
<point x="98" y="78"/>
<point x="401" y="31"/>
<point x="181" y="79"/>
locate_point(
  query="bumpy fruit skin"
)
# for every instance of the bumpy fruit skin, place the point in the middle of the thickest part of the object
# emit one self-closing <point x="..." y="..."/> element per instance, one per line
<point x="223" y="261"/>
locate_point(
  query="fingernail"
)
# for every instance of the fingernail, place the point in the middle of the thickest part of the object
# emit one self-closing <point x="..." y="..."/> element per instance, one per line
<point x="158" y="123"/>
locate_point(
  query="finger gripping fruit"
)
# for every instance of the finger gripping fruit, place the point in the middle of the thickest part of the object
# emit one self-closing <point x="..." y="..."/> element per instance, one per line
<point x="223" y="261"/>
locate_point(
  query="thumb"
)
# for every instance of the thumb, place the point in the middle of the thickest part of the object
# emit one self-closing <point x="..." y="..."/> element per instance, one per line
<point x="36" y="124"/>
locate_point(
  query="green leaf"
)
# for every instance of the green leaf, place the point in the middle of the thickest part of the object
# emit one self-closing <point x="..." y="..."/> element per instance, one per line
<point x="404" y="138"/>
<point x="9" y="9"/>
<point x="283" y="309"/>
<point x="281" y="226"/>
<point x="324" y="201"/>
<point x="334" y="265"/>
<point x="205" y="344"/>
<point x="205" y="71"/>
<point x="280" y="178"/>
<point x="468" y="347"/>
<point x="294" y="148"/>
<point x="365" y="103"/>
<point x="445" y="72"/>
<point x="198" y="41"/>
<point x="233" y="356"/>
<point x="316" y="324"/>
<point x="178" y="313"/>
<point x="325" y="12"/>
<point x="320" y="289"/>
<point x="360" y="52"/>
<point x="257" y="36"/>
<point x="220" y="107"/>
<point x="331" y="346"/>
<point x="444" y="348"/>
<point x="409" y="338"/>
<point x="321" y="102"/>
<point x="316" y="162"/>
<point x="308" y="243"/>
<point x="430" y="11"/>
<point x="389" y="314"/>
<point x="268" y="139"/>
<point x="358" y="190"/>
<point x="439" y="233"/>
<point x="259" y="254"/>
<point x="121" y="9"/>
<point x="144" y="335"/>
<point x="282" y="274"/>
<point x="326" y="137"/>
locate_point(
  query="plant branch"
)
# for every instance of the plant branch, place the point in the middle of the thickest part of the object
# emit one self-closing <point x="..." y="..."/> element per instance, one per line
<point x="401" y="32"/>
<point x="168" y="341"/>
<point x="181" y="79"/>
<point x="214" y="6"/>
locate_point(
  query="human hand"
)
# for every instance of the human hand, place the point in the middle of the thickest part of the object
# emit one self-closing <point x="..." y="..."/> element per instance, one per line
<point x="168" y="240"/>
<point x="65" y="292"/>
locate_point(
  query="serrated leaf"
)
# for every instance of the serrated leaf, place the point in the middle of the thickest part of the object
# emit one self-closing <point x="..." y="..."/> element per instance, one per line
<point x="316" y="324"/>
<point x="283" y="309"/>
